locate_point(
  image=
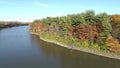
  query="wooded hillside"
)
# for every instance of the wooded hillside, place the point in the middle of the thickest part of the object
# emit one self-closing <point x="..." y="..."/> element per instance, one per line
<point x="100" y="31"/>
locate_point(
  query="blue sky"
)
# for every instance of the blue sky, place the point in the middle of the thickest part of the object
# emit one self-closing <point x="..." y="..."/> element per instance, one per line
<point x="28" y="10"/>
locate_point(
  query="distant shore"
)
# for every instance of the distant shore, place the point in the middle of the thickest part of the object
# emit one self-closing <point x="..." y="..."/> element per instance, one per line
<point x="11" y="24"/>
<point x="84" y="49"/>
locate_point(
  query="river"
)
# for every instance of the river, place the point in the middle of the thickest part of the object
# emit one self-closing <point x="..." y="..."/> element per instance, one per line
<point x="20" y="49"/>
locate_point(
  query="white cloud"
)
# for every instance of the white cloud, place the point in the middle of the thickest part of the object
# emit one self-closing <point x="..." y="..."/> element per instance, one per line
<point x="41" y="4"/>
<point x="6" y="3"/>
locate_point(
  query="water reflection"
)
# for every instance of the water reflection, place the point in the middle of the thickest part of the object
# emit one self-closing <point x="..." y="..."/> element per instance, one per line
<point x="20" y="49"/>
<point x="74" y="59"/>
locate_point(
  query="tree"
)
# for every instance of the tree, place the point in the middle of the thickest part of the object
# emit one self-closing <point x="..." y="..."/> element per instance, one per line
<point x="106" y="24"/>
<point x="90" y="17"/>
<point x="115" y="22"/>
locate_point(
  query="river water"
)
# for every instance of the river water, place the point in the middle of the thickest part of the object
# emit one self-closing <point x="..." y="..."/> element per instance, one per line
<point x="20" y="49"/>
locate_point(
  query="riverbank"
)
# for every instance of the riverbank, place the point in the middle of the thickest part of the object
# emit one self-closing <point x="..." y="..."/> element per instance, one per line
<point x="83" y="49"/>
<point x="11" y="24"/>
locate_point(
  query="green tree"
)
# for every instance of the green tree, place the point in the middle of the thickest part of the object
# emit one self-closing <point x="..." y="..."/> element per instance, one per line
<point x="106" y="24"/>
<point x="90" y="17"/>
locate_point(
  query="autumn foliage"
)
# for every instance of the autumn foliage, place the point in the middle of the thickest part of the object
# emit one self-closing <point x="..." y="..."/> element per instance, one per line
<point x="5" y="24"/>
<point x="115" y="22"/>
<point x="36" y="27"/>
<point x="113" y="44"/>
<point x="91" y="28"/>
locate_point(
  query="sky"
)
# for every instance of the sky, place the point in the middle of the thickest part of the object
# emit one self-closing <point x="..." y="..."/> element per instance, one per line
<point x="29" y="10"/>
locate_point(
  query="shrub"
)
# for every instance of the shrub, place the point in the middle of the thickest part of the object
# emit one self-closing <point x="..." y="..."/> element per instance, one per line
<point x="113" y="44"/>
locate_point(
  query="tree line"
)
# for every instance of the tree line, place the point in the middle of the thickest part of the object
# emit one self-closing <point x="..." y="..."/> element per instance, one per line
<point x="89" y="29"/>
<point x="4" y="24"/>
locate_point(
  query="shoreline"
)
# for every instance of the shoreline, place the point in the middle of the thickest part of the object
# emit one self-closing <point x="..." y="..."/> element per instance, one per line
<point x="83" y="49"/>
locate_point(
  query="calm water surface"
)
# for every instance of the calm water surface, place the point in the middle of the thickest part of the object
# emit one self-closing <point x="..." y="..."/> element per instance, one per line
<point x="19" y="49"/>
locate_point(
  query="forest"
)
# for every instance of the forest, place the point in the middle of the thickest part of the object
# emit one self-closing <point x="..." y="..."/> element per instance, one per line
<point x="87" y="29"/>
<point x="4" y="24"/>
